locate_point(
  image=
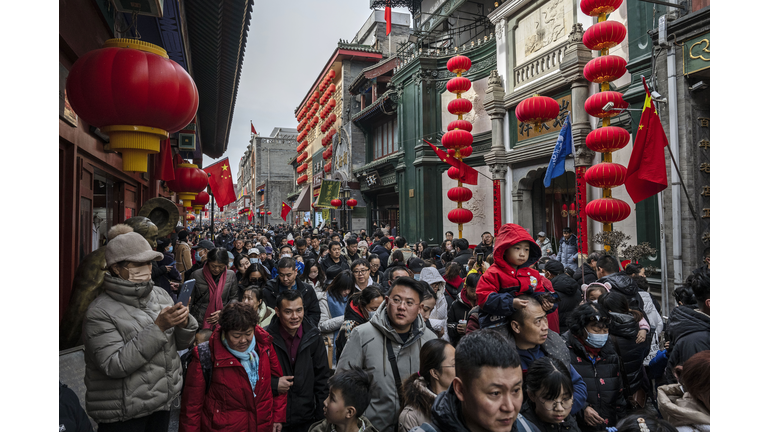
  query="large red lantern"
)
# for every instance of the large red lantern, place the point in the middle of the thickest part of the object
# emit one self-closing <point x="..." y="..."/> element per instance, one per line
<point x="459" y="64"/>
<point x="456" y="139"/>
<point x="595" y="104"/>
<point x="606" y="175"/>
<point x="466" y="152"/>
<point x="608" y="210"/>
<point x="537" y="110"/>
<point x="134" y="93"/>
<point x="200" y="201"/>
<point x="453" y="173"/>
<point x="459" y="193"/>
<point x="597" y="7"/>
<point x="460" y="216"/>
<point x="460" y="124"/>
<point x="606" y="34"/>
<point x="336" y="202"/>
<point x="351" y="203"/>
<point x="605" y="69"/>
<point x="607" y="139"/>
<point x="459" y="106"/>
<point x="269" y="213"/>
<point x="190" y="217"/>
<point x="189" y="181"/>
<point x="458" y="85"/>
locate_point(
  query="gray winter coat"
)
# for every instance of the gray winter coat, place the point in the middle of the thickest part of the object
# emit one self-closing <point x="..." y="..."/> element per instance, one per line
<point x="132" y="369"/>
<point x="567" y="252"/>
<point x="367" y="349"/>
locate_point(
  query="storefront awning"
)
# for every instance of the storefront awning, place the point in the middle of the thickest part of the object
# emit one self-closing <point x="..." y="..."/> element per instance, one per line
<point x="302" y="204"/>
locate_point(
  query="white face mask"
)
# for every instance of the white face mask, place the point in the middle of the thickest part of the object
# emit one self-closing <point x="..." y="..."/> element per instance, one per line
<point x="285" y="256"/>
<point x="140" y="274"/>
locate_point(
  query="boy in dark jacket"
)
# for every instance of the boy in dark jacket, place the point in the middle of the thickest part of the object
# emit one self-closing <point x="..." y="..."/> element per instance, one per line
<point x="348" y="398"/>
<point x="510" y="276"/>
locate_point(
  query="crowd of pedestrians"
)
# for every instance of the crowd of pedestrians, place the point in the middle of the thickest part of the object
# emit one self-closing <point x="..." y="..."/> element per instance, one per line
<point x="299" y="329"/>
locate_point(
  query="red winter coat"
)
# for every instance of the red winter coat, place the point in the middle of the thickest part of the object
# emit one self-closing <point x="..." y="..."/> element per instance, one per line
<point x="229" y="405"/>
<point x="501" y="283"/>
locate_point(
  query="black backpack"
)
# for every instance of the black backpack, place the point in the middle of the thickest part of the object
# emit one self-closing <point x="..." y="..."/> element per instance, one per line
<point x="204" y="352"/>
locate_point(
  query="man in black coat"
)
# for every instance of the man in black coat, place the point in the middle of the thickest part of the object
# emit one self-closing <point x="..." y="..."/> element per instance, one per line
<point x="608" y="271"/>
<point x="286" y="280"/>
<point x="304" y="361"/>
<point x="382" y="250"/>
<point x="688" y="326"/>
<point x="225" y="239"/>
<point x="567" y="289"/>
<point x="463" y="253"/>
<point x="334" y="258"/>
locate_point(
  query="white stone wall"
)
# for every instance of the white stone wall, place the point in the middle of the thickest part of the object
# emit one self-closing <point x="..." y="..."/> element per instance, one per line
<point x="479" y="118"/>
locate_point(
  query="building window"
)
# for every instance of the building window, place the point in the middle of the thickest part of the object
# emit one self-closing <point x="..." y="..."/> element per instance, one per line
<point x="385" y="139"/>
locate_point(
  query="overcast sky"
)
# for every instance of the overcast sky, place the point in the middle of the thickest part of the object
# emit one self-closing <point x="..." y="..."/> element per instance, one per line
<point x="288" y="44"/>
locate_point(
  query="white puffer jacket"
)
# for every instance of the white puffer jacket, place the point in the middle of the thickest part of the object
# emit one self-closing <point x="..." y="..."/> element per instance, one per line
<point x="132" y="368"/>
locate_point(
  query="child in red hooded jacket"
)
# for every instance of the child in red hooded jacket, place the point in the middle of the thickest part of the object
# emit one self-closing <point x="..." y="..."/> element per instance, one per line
<point x="511" y="276"/>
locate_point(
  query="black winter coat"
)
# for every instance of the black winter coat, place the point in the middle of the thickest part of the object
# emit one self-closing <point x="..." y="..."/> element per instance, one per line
<point x="623" y="330"/>
<point x="569" y="425"/>
<point x="688" y="334"/>
<point x="327" y="263"/>
<point x="452" y="293"/>
<point x="310" y="374"/>
<point x="605" y="386"/>
<point x="458" y="311"/>
<point x="311" y="305"/>
<point x="462" y="258"/>
<point x="589" y="275"/>
<point x="570" y="297"/>
<point x="627" y="286"/>
<point x="383" y="255"/>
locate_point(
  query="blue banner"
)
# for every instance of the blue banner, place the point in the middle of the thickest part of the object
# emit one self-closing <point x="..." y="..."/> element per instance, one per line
<point x="563" y="148"/>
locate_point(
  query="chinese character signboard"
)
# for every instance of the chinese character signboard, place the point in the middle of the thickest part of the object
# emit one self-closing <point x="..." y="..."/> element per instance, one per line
<point x="696" y="54"/>
<point x="329" y="190"/>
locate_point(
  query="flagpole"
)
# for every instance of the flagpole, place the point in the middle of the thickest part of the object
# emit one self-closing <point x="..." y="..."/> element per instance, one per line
<point x="663" y="247"/>
<point x="213" y="210"/>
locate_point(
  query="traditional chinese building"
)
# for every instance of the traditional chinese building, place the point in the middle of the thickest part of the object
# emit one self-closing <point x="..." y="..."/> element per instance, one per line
<point x="272" y="178"/>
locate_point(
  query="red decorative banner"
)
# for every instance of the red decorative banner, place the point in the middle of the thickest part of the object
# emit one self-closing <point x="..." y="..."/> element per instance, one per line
<point x="496" y="207"/>
<point x="582" y="237"/>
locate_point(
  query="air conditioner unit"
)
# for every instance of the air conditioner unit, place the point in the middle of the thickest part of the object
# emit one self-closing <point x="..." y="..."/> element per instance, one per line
<point x="153" y="8"/>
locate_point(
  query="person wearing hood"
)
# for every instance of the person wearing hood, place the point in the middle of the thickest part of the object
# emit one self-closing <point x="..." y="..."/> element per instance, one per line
<point x="544" y="244"/>
<point x="439" y="316"/>
<point x="436" y="372"/>
<point x="487" y="392"/>
<point x="458" y="314"/>
<point x="132" y="332"/>
<point x="567" y="289"/>
<point x="510" y="275"/>
<point x="388" y="346"/>
<point x="689" y="326"/>
<point x="688" y="410"/>
<point x="568" y="250"/>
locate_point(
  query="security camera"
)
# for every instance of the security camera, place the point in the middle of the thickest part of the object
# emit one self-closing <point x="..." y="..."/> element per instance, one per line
<point x="608" y="106"/>
<point x="698" y="86"/>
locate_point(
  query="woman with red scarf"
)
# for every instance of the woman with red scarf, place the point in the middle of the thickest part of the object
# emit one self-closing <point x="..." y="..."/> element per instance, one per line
<point x="359" y="310"/>
<point x="215" y="287"/>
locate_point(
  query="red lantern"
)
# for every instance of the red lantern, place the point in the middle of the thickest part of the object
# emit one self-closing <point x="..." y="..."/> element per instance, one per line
<point x="572" y="210"/>
<point x="595" y="104"/>
<point x="608" y="210"/>
<point x="597" y="7"/>
<point x="327" y="153"/>
<point x="459" y="194"/>
<point x="302" y="157"/>
<point x="332" y="103"/>
<point x="460" y="216"/>
<point x="200" y="200"/>
<point x="564" y="211"/>
<point x="301" y="168"/>
<point x="135" y="94"/>
<point x="606" y="175"/>
<point x="456" y="139"/>
<point x="607" y="139"/>
<point x="451" y="152"/>
<point x="190" y="217"/>
<point x="453" y="173"/>
<point x="458" y="85"/>
<point x="459" y="64"/>
<point x="332" y="88"/>
<point x="460" y="124"/>
<point x="351" y="203"/>
<point x="466" y="152"/>
<point x="189" y="181"/>
<point x="606" y="34"/>
<point x="327" y="167"/>
<point x="332" y="74"/>
<point x="537" y="110"/>
<point x="459" y="106"/>
<point x="605" y="69"/>
<point x="269" y="213"/>
<point x="336" y="202"/>
<point x="301" y="179"/>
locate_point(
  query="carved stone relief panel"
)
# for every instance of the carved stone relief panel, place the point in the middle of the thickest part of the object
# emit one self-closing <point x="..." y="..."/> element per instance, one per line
<point x="479" y="118"/>
<point x="543" y="29"/>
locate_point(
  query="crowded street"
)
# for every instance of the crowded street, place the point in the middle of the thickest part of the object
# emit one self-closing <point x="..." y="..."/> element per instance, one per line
<point x="393" y="216"/>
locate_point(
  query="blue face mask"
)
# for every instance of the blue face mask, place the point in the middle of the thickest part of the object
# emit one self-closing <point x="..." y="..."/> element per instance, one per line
<point x="254" y="260"/>
<point x="197" y="255"/>
<point x="416" y="276"/>
<point x="170" y="249"/>
<point x="597" y="340"/>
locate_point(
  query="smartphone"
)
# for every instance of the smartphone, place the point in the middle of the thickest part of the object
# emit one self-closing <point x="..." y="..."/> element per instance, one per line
<point x="186" y="292"/>
<point x="481" y="258"/>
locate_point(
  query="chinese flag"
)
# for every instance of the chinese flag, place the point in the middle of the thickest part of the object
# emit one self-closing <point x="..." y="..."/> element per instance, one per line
<point x="220" y="179"/>
<point x="253" y="130"/>
<point x="467" y="174"/>
<point x="284" y="211"/>
<point x="388" y="17"/>
<point x="164" y="162"/>
<point x="647" y="169"/>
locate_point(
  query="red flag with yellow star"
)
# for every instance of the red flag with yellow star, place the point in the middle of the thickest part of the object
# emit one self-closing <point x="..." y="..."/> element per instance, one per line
<point x="220" y="179"/>
<point x="647" y="168"/>
<point x="284" y="211"/>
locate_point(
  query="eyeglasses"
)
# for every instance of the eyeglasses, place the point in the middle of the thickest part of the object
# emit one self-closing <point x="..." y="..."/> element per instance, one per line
<point x="359" y="272"/>
<point x="398" y="301"/>
<point x="550" y="405"/>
